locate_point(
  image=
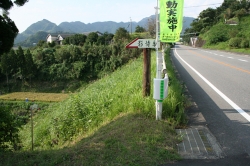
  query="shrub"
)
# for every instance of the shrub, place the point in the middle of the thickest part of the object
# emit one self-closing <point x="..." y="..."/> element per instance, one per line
<point x="8" y="129"/>
<point x="217" y="37"/>
<point x="235" y="42"/>
<point x="244" y="43"/>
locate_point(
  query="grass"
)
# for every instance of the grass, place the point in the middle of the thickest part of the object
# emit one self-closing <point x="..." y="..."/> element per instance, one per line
<point x="44" y="97"/>
<point x="129" y="139"/>
<point x="225" y="47"/>
<point x="215" y="36"/>
<point x="106" y="123"/>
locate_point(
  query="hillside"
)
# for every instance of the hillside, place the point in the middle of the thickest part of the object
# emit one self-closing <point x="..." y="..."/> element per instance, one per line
<point x="40" y="26"/>
<point x="108" y="122"/>
<point x="30" y="36"/>
<point x="232" y="38"/>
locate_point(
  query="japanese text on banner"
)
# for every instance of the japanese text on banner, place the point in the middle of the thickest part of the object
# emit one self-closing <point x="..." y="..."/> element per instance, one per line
<point x="171" y="18"/>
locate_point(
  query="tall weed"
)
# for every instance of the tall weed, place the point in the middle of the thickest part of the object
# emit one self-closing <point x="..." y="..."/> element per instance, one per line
<point x="100" y="102"/>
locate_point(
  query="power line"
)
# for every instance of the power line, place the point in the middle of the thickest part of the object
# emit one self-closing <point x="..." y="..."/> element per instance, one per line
<point x="203" y="5"/>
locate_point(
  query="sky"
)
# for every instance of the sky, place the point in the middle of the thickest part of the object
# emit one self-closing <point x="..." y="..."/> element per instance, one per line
<point x="89" y="11"/>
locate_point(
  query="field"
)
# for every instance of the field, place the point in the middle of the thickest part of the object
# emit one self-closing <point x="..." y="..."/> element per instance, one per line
<point x="42" y="97"/>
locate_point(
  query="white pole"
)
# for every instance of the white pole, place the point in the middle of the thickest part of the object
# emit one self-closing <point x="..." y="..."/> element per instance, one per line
<point x="158" y="104"/>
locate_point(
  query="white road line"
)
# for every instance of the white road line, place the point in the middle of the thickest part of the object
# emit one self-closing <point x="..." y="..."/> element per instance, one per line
<point x="224" y="56"/>
<point x="243" y="60"/>
<point x="229" y="101"/>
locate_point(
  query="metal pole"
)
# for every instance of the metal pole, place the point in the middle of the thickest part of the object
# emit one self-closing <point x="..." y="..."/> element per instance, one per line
<point x="158" y="104"/>
<point x="130" y="25"/>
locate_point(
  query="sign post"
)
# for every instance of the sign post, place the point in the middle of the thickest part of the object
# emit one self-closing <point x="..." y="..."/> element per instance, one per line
<point x="143" y="43"/>
<point x="146" y="71"/>
<point x="146" y="44"/>
<point x="170" y="29"/>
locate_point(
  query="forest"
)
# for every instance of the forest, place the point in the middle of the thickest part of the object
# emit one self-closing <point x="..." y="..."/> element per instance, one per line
<point x="80" y="57"/>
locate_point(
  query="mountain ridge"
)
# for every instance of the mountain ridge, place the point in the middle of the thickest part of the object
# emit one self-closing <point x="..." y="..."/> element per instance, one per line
<point x="80" y="27"/>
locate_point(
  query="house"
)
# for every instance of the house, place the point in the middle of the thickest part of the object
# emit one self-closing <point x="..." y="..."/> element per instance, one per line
<point x="57" y="38"/>
<point x="51" y="37"/>
<point x="61" y="37"/>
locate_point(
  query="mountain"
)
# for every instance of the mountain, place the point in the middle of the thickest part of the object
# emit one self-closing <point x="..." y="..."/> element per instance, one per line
<point x="43" y="25"/>
<point x="33" y="39"/>
<point x="79" y="27"/>
<point x="38" y="30"/>
<point x="186" y="23"/>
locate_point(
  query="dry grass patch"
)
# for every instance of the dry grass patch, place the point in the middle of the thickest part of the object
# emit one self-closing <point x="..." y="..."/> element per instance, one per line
<point x="47" y="97"/>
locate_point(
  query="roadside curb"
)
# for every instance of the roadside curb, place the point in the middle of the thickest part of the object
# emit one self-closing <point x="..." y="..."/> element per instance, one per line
<point x="198" y="143"/>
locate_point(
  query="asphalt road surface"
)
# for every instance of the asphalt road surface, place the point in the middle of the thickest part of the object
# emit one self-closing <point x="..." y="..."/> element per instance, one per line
<point x="219" y="85"/>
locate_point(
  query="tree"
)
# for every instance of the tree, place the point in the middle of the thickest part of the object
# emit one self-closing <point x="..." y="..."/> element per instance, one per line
<point x="29" y="65"/>
<point x="101" y="40"/>
<point x="21" y="61"/>
<point x="41" y="43"/>
<point x="105" y="39"/>
<point x="151" y="27"/>
<point x="92" y="38"/>
<point x="77" y="39"/>
<point x="8" y="28"/>
<point x="7" y="34"/>
<point x="121" y="34"/>
<point x="8" y="63"/>
<point x="52" y="44"/>
<point x="139" y="29"/>
<point x="63" y="55"/>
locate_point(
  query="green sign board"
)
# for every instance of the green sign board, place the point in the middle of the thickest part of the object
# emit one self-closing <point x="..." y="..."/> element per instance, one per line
<point x="171" y="20"/>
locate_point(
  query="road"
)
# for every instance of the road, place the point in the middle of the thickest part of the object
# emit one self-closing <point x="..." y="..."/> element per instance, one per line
<point x="219" y="84"/>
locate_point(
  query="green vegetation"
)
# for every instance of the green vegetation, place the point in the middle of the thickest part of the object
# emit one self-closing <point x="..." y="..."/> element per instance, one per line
<point x="224" y="28"/>
<point x="8" y="28"/>
<point x="8" y="128"/>
<point x="108" y="122"/>
<point x="234" y="38"/>
<point x="32" y="40"/>
<point x="130" y="139"/>
<point x="106" y="119"/>
<point x="91" y="58"/>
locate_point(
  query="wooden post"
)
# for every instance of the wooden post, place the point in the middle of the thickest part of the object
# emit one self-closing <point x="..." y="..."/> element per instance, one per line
<point x="146" y="71"/>
<point x="32" y="137"/>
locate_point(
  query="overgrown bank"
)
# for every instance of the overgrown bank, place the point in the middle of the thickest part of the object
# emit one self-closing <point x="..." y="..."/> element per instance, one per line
<point x="223" y="28"/>
<point x="107" y="122"/>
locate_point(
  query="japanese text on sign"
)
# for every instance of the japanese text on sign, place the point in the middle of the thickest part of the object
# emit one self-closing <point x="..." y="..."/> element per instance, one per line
<point x="171" y="16"/>
<point x="147" y="43"/>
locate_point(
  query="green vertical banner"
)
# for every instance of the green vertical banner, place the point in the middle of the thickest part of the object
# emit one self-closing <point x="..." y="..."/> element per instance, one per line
<point x="171" y="20"/>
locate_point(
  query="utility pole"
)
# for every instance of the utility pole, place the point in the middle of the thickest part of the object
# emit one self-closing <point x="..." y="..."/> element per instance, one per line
<point x="160" y="84"/>
<point x="131" y="25"/>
